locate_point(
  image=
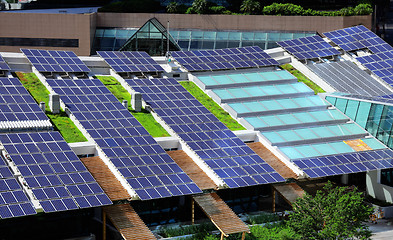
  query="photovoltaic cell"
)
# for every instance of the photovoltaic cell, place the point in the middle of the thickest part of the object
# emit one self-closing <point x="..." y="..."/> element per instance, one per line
<point x="358" y="37"/>
<point x="230" y="158"/>
<point x="309" y="47"/>
<point x="346" y="163"/>
<point x="17" y="105"/>
<point x="132" y="62"/>
<point x="148" y="169"/>
<point x="3" y="64"/>
<point x="221" y="59"/>
<point x="14" y="202"/>
<point x="381" y="64"/>
<point x="57" y="177"/>
<point x="55" y="61"/>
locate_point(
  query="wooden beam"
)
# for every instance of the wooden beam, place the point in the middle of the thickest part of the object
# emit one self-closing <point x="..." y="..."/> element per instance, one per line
<point x="192" y="211"/>
<point x="274" y="199"/>
<point x="243" y="235"/>
<point x="222" y="236"/>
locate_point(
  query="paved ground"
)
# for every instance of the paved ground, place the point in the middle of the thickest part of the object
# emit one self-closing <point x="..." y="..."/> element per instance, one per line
<point x="383" y="230"/>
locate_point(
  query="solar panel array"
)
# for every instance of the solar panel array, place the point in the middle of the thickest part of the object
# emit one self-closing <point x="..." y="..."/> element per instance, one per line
<point x="358" y="37"/>
<point x="55" y="61"/>
<point x="3" y="64"/>
<point x="148" y="169"/>
<point x="381" y="64"/>
<point x="346" y="163"/>
<point x="57" y="177"/>
<point x="13" y="200"/>
<point x="309" y="47"/>
<point x="230" y="158"/>
<point x="131" y="62"/>
<point x="221" y="59"/>
<point x="18" y="106"/>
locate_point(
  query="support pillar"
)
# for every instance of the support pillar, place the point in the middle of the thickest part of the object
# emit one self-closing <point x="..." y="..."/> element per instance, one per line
<point x="192" y="211"/>
<point x="136" y="101"/>
<point x="54" y="103"/>
<point x="274" y="199"/>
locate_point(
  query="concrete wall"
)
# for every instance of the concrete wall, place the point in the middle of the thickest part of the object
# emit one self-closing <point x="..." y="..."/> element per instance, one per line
<point x="234" y="22"/>
<point x="40" y="25"/>
<point x="377" y="190"/>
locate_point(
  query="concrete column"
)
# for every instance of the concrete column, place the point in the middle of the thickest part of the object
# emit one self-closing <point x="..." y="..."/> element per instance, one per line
<point x="42" y="106"/>
<point x="344" y="179"/>
<point x="54" y="103"/>
<point x="136" y="101"/>
<point x="125" y="103"/>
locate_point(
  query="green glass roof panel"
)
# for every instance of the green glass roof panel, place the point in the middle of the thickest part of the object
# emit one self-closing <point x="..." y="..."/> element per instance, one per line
<point x="207" y="80"/>
<point x="341" y="147"/>
<point x="289" y="135"/>
<point x="304" y="117"/>
<point x="287" y="103"/>
<point x="255" y="106"/>
<point x="325" y="149"/>
<point x="291" y="152"/>
<point x="270" y="76"/>
<point x="238" y="78"/>
<point x="223" y="79"/>
<point x="319" y="101"/>
<point x="238" y="93"/>
<point x="271" y="120"/>
<point x="305" y="133"/>
<point x="285" y="75"/>
<point x="304" y="102"/>
<point x="287" y="88"/>
<point x="288" y="119"/>
<point x="271" y="105"/>
<point x="273" y="137"/>
<point x="256" y="122"/>
<point x="301" y="87"/>
<point x="308" y="151"/>
<point x="254" y="77"/>
<point x="324" y="132"/>
<point x="271" y="90"/>
<point x="373" y="143"/>
<point x="254" y="91"/>
<point x="223" y="94"/>
<point x="239" y="107"/>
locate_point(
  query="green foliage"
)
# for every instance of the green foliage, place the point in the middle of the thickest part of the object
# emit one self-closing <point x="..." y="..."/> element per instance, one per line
<point x="212" y="106"/>
<point x="61" y="121"/>
<point x="334" y="213"/>
<point x="172" y="7"/>
<point x="132" y="6"/>
<point x="262" y="218"/>
<point x="200" y="6"/>
<point x="201" y="229"/>
<point x="144" y="117"/>
<point x="218" y="10"/>
<point x="289" y="9"/>
<point x="250" y="7"/>
<point x="301" y="78"/>
<point x="277" y="231"/>
<point x="190" y="10"/>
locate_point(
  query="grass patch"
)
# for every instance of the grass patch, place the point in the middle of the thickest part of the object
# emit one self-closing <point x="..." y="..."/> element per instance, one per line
<point x="61" y="121"/>
<point x="203" y="228"/>
<point x="212" y="106"/>
<point x="144" y="117"/>
<point x="262" y="218"/>
<point x="302" y="78"/>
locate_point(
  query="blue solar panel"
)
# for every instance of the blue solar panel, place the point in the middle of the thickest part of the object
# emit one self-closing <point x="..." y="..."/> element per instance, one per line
<point x="3" y="64"/>
<point x="212" y="141"/>
<point x="381" y="64"/>
<point x="17" y="105"/>
<point x="148" y="169"/>
<point x="221" y="59"/>
<point x="358" y="37"/>
<point x="14" y="202"/>
<point x="346" y="163"/>
<point x="55" y="61"/>
<point x="309" y="47"/>
<point x="57" y="177"/>
<point x="132" y="62"/>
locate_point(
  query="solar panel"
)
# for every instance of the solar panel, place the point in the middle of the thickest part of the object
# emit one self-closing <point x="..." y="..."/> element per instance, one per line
<point x="55" y="61"/>
<point x="18" y="109"/>
<point x="148" y="169"/>
<point x="221" y="59"/>
<point x="227" y="155"/>
<point x="358" y="37"/>
<point x="3" y="64"/>
<point x="309" y="47"/>
<point x="14" y="202"/>
<point x="346" y="163"/>
<point x="132" y="62"/>
<point x="57" y="177"/>
<point x="381" y="64"/>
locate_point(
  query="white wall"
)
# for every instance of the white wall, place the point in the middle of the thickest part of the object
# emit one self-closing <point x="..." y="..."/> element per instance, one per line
<point x="377" y="190"/>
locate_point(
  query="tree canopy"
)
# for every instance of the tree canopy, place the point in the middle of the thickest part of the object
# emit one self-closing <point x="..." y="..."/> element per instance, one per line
<point x="334" y="213"/>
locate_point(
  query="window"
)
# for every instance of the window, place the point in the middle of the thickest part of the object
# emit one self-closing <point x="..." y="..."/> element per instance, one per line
<point x="387" y="177"/>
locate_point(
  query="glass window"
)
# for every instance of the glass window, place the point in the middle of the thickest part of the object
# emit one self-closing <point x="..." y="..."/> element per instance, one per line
<point x="196" y="35"/>
<point x="208" y="44"/>
<point x="363" y="112"/>
<point x="387" y="177"/>
<point x="99" y="32"/>
<point x="221" y="44"/>
<point x="273" y="36"/>
<point x="222" y="35"/>
<point x="341" y="104"/>
<point x="234" y="36"/>
<point x="286" y="36"/>
<point x="184" y="35"/>
<point x="110" y="33"/>
<point x="352" y="108"/>
<point x="209" y="35"/>
<point x="260" y="36"/>
<point x="248" y="36"/>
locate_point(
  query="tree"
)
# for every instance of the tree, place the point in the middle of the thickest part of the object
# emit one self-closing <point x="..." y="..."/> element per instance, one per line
<point x="334" y="213"/>
<point x="200" y="6"/>
<point x="172" y="7"/>
<point x="250" y="7"/>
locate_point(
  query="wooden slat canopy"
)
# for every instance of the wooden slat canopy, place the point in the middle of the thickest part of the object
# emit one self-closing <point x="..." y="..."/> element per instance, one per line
<point x="128" y="222"/>
<point x="220" y="214"/>
<point x="105" y="178"/>
<point x="288" y="191"/>
<point x="272" y="160"/>
<point x="192" y="169"/>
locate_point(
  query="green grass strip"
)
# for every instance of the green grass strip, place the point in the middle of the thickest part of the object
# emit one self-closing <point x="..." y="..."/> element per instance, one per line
<point x="144" y="117"/>
<point x="212" y="106"/>
<point x="61" y="121"/>
<point x="302" y="78"/>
